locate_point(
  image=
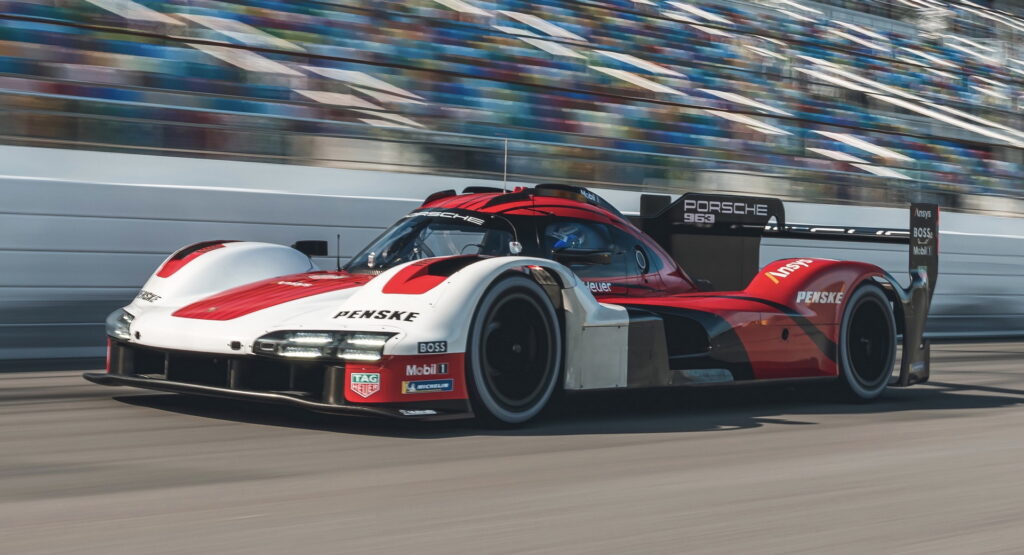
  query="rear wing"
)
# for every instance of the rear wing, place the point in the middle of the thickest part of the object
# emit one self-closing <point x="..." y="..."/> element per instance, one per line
<point x="717" y="239"/>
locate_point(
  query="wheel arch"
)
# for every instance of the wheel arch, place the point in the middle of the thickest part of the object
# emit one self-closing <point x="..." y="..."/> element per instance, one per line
<point x="595" y="334"/>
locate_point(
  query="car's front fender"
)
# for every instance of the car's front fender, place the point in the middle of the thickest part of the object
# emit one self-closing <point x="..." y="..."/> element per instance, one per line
<point x="595" y="333"/>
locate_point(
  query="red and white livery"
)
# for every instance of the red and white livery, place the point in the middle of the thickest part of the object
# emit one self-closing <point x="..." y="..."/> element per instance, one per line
<point x="487" y="302"/>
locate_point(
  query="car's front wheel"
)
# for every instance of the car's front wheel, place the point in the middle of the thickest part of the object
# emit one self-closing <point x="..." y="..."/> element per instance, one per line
<point x="514" y="352"/>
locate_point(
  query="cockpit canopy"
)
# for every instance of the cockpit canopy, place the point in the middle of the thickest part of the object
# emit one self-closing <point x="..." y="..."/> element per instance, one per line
<point x="429" y="234"/>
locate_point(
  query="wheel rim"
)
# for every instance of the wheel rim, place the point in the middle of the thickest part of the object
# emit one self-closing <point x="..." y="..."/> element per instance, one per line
<point x="517" y="351"/>
<point x="869" y="342"/>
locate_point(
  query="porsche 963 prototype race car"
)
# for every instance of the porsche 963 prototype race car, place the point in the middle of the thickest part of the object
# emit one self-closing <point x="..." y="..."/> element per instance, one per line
<point x="485" y="303"/>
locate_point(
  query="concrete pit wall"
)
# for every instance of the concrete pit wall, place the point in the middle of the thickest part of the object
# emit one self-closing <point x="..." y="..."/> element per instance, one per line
<point x="81" y="231"/>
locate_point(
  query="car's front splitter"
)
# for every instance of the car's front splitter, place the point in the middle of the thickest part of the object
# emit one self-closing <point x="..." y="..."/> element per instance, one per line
<point x="160" y="384"/>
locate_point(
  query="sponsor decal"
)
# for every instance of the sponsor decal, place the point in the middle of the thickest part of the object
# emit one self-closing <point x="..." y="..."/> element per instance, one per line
<point x="364" y="384"/>
<point x="428" y="386"/>
<point x="921" y="232"/>
<point x="924" y="239"/>
<point x="429" y="369"/>
<point x="326" y="276"/>
<point x="819" y="297"/>
<point x="147" y="296"/>
<point x="400" y="315"/>
<point x="425" y="347"/>
<point x="295" y="283"/>
<point x="782" y="272"/>
<point x="416" y="412"/>
<point x="705" y="211"/>
<point x="450" y="215"/>
<point x="599" y="286"/>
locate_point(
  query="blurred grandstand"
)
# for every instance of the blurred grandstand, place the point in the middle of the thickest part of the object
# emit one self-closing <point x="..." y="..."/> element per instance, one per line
<point x="838" y="101"/>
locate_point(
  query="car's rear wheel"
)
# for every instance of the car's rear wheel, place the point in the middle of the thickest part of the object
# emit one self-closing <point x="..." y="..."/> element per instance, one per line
<point x="514" y="352"/>
<point x="867" y="343"/>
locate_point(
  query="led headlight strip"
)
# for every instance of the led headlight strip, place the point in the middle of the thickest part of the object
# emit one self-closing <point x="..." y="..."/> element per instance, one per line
<point x="352" y="346"/>
<point x="118" y="324"/>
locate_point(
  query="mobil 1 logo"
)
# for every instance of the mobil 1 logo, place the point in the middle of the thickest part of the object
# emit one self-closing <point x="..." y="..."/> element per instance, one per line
<point x="431" y="347"/>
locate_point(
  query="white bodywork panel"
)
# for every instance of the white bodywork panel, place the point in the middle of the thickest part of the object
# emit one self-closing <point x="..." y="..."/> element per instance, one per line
<point x="596" y="340"/>
<point x="236" y="263"/>
<point x="596" y="334"/>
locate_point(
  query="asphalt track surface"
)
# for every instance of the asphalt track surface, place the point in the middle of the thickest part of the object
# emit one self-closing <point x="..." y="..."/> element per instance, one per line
<point x="937" y="468"/>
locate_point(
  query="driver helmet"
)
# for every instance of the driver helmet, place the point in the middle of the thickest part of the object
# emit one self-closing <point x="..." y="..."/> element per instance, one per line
<point x="566" y="236"/>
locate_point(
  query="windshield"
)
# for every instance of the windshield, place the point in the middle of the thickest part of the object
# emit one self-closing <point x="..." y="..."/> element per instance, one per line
<point x="420" y="236"/>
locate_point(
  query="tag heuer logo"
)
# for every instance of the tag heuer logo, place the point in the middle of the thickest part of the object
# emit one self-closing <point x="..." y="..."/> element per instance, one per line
<point x="364" y="384"/>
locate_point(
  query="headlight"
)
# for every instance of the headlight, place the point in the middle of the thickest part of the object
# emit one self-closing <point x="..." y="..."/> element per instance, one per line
<point x="118" y="323"/>
<point x="353" y="346"/>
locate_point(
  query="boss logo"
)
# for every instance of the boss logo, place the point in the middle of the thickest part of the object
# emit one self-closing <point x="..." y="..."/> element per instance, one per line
<point x="429" y="347"/>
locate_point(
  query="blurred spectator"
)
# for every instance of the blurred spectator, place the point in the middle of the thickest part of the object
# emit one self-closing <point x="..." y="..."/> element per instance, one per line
<point x="787" y="90"/>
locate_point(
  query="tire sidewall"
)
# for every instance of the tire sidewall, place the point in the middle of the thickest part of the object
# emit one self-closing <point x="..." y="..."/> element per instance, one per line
<point x="485" y="406"/>
<point x="865" y="293"/>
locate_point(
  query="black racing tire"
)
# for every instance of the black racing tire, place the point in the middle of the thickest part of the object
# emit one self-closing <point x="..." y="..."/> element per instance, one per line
<point x="513" y="353"/>
<point x="867" y="344"/>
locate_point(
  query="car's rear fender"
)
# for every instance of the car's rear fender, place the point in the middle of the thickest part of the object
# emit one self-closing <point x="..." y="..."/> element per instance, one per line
<point x="816" y="288"/>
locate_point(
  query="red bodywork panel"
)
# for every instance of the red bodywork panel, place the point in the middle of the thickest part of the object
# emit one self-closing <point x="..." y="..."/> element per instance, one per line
<point x="787" y="318"/>
<point x="179" y="259"/>
<point x="259" y="295"/>
<point x="423" y="275"/>
<point x="415" y="279"/>
<point x="407" y="379"/>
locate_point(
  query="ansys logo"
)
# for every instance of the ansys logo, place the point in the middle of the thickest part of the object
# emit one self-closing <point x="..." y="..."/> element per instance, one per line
<point x="782" y="272"/>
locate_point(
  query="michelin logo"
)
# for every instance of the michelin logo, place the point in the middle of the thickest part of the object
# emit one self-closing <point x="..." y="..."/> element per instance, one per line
<point x="428" y="386"/>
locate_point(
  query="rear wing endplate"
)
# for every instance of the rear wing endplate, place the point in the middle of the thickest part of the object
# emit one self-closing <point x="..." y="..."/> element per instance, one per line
<point x="718" y="238"/>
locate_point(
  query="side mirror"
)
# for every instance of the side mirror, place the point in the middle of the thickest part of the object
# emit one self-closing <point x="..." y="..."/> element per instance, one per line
<point x="311" y="248"/>
<point x="581" y="256"/>
<point x="703" y="285"/>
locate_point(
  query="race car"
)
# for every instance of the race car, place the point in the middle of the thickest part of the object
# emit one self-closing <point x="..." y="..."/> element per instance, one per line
<point x="484" y="304"/>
